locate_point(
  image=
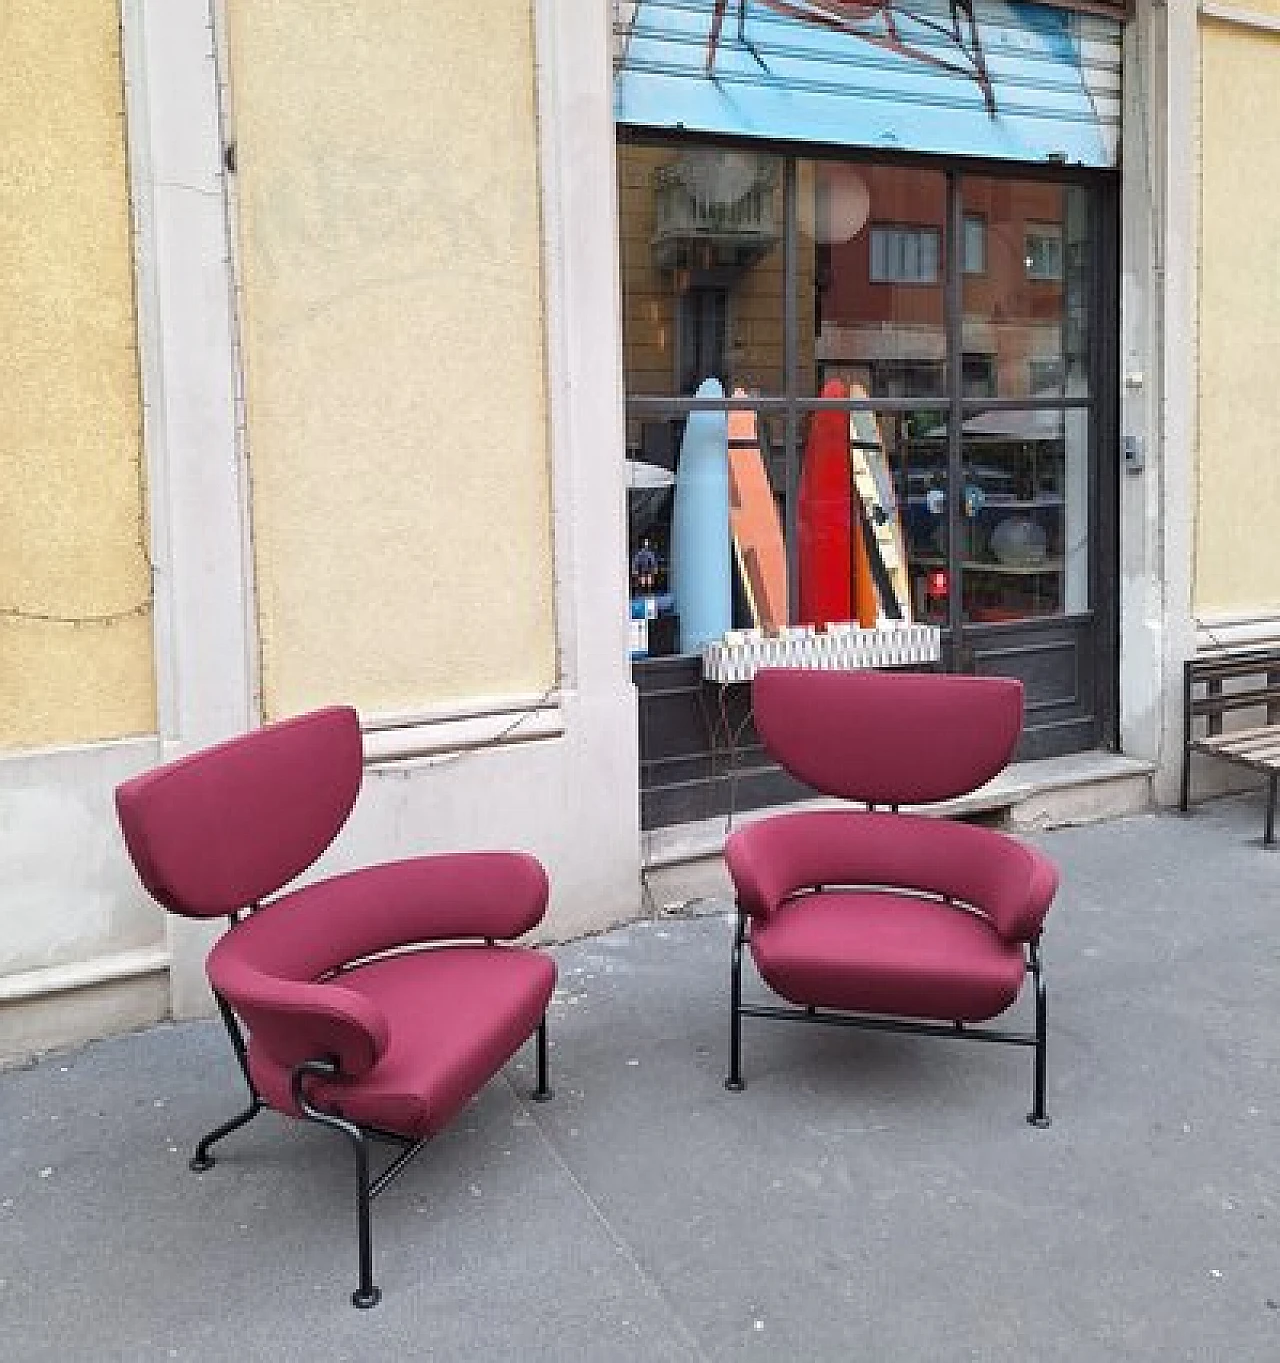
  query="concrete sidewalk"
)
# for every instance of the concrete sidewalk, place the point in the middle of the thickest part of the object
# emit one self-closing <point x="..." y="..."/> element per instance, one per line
<point x="869" y="1196"/>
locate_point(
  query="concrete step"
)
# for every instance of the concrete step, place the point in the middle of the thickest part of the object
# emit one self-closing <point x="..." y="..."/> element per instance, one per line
<point x="683" y="870"/>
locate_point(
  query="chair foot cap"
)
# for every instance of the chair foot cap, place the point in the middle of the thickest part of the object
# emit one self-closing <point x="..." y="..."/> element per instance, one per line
<point x="542" y="1095"/>
<point x="1041" y="1122"/>
<point x="735" y="1085"/>
<point x="198" y="1164"/>
<point x="364" y="1300"/>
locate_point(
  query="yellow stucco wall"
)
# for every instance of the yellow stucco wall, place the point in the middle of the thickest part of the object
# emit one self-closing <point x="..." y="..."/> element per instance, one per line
<point x="392" y="325"/>
<point x="72" y="513"/>
<point x="1266" y="7"/>
<point x="1237" y="567"/>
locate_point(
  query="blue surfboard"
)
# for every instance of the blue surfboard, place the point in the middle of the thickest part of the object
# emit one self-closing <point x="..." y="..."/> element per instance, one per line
<point x="701" y="555"/>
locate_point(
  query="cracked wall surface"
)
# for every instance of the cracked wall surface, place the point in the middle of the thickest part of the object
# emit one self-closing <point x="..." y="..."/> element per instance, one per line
<point x="75" y="585"/>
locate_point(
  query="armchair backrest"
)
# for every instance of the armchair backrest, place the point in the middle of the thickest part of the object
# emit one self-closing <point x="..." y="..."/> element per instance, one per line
<point x="221" y="829"/>
<point x="888" y="738"/>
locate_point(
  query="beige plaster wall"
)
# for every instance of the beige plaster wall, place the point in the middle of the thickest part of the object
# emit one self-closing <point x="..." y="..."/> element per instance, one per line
<point x="393" y="349"/>
<point x="1237" y="568"/>
<point x="75" y="585"/>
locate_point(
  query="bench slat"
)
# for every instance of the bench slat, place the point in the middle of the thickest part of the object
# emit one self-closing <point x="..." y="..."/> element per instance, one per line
<point x="1263" y="754"/>
<point x="1235" y="700"/>
<point x="1236" y="665"/>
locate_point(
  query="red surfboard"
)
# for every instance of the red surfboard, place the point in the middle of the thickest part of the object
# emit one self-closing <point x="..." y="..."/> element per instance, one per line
<point x="823" y="517"/>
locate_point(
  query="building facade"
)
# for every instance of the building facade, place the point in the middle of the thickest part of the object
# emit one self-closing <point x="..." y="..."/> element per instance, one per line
<point x="338" y="334"/>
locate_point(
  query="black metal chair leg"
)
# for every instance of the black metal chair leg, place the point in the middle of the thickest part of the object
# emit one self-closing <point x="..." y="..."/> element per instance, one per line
<point x="544" y="1091"/>
<point x="202" y="1159"/>
<point x="1037" y="1116"/>
<point x="1269" y="835"/>
<point x="366" y="1294"/>
<point x="735" y="1083"/>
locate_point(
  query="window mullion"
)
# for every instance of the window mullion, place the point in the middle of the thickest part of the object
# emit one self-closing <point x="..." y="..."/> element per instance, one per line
<point x="954" y="315"/>
<point x="791" y="376"/>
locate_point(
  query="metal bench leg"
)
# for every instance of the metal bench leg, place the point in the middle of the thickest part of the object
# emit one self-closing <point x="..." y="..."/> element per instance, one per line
<point x="1268" y="837"/>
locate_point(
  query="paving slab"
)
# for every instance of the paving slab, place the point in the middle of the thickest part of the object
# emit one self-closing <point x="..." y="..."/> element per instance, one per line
<point x="868" y="1196"/>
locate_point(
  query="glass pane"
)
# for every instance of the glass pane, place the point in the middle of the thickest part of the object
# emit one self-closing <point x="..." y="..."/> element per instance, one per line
<point x="1025" y="514"/>
<point x="707" y="554"/>
<point x="921" y="480"/>
<point x="871" y="517"/>
<point x="1026" y="308"/>
<point x="702" y="277"/>
<point x="871" y="255"/>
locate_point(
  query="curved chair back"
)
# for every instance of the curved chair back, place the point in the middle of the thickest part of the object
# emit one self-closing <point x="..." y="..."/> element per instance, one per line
<point x="888" y="738"/>
<point x="223" y="828"/>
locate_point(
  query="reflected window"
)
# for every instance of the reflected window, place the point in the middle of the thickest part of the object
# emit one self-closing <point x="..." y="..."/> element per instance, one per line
<point x="905" y="255"/>
<point x="1043" y="255"/>
<point x="975" y="244"/>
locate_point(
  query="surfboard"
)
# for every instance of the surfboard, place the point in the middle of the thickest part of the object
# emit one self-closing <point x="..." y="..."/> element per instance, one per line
<point x="701" y="559"/>
<point x="873" y="482"/>
<point x="823" y="519"/>
<point x="758" y="545"/>
<point x="866" y="568"/>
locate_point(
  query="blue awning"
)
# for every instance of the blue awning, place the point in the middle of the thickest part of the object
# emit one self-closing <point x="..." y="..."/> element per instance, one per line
<point x="982" y="78"/>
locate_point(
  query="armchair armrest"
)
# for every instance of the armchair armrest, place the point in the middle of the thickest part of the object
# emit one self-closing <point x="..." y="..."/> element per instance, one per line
<point x="296" y="1020"/>
<point x="1007" y="881"/>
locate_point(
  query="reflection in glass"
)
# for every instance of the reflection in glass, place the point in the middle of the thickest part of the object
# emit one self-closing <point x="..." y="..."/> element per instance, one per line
<point x="1026" y="312"/>
<point x="702" y="276"/>
<point x="873" y="246"/>
<point x="843" y="512"/>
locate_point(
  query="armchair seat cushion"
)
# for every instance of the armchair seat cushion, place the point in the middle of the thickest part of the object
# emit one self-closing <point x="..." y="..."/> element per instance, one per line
<point x="455" y="1015"/>
<point x="887" y="952"/>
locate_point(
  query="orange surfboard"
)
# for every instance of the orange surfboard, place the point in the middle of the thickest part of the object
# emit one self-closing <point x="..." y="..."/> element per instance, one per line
<point x="753" y="521"/>
<point x="866" y="600"/>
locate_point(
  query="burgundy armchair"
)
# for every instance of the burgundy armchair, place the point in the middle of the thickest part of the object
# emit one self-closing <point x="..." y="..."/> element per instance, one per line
<point x="376" y="1003"/>
<point x="876" y="918"/>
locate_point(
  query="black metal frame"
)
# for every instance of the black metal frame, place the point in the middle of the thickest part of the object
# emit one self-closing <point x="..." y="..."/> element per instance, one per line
<point x="366" y="1294"/>
<point x="1259" y="669"/>
<point x="1038" y="1039"/>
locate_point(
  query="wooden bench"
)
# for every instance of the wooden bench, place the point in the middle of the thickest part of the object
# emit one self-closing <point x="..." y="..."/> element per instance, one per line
<point x="1213" y="687"/>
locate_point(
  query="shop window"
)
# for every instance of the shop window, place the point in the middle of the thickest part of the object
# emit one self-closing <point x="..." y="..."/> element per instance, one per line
<point x="753" y="361"/>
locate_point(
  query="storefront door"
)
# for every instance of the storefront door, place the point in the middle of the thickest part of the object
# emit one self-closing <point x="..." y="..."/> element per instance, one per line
<point x="906" y="358"/>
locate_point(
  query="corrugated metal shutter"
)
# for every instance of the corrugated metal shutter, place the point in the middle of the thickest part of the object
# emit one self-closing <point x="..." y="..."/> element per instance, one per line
<point x="985" y="78"/>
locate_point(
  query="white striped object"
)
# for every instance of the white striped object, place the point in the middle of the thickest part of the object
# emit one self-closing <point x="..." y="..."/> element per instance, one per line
<point x="740" y="654"/>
